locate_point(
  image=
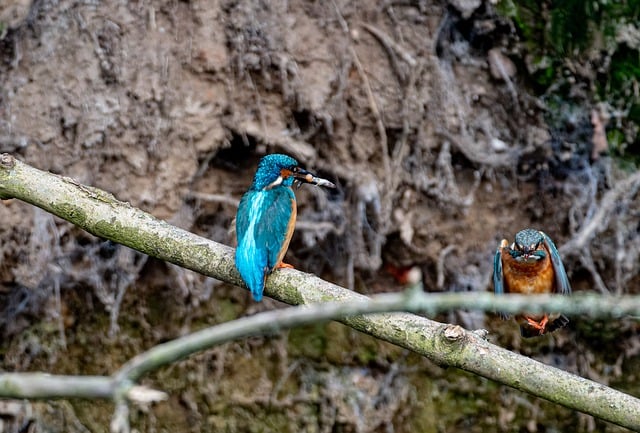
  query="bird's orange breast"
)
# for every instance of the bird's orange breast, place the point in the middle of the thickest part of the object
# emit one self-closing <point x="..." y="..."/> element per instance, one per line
<point x="527" y="278"/>
<point x="290" y="227"/>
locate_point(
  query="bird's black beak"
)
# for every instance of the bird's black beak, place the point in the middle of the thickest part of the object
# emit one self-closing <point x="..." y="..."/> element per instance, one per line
<point x="303" y="176"/>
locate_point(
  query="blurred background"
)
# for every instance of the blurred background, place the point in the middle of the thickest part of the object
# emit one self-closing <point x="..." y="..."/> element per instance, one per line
<point x="447" y="126"/>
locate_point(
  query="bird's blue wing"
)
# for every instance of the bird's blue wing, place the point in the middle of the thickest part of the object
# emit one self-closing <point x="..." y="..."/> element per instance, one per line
<point x="562" y="281"/>
<point x="498" y="278"/>
<point x="251" y="256"/>
<point x="273" y="229"/>
<point x="242" y="215"/>
<point x="262" y="230"/>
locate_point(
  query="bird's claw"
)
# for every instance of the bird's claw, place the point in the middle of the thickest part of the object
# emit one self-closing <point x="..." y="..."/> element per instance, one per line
<point x="539" y="325"/>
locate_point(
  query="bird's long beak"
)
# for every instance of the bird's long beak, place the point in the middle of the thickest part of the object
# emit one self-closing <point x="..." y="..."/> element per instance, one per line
<point x="529" y="255"/>
<point x="303" y="176"/>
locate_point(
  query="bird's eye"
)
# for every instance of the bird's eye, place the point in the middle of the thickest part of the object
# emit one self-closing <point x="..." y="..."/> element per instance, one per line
<point x="295" y="169"/>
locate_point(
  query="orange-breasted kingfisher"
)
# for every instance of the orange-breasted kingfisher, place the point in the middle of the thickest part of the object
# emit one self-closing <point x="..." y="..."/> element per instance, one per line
<point x="531" y="265"/>
<point x="266" y="218"/>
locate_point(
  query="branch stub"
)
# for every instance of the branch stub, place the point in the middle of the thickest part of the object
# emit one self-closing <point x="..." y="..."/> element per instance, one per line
<point x="7" y="161"/>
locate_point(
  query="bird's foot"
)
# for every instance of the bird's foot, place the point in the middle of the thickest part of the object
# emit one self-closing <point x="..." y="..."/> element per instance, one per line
<point x="541" y="325"/>
<point x="282" y="265"/>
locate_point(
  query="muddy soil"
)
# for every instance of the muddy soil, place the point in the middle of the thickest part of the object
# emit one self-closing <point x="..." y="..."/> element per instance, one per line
<point x="419" y="111"/>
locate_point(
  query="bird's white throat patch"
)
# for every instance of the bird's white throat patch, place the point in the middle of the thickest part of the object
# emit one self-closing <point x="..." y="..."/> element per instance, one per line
<point x="275" y="183"/>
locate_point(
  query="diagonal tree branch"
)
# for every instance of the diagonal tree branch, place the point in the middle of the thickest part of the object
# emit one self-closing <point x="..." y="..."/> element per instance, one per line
<point x="101" y="214"/>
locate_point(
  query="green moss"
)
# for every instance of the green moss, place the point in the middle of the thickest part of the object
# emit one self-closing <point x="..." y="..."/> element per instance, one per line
<point x="425" y="415"/>
<point x="226" y="310"/>
<point x="571" y="25"/>
<point x="111" y="230"/>
<point x="308" y="341"/>
<point x="588" y="44"/>
<point x="74" y="214"/>
<point x="339" y="344"/>
<point x="524" y="14"/>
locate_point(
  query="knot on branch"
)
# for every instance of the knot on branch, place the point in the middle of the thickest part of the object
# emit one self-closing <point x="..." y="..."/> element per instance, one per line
<point x="453" y="333"/>
<point x="449" y="344"/>
<point x="7" y="161"/>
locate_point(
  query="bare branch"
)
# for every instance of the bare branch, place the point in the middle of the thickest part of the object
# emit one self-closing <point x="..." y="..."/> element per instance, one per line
<point x="353" y="309"/>
<point x="47" y="386"/>
<point x="446" y="344"/>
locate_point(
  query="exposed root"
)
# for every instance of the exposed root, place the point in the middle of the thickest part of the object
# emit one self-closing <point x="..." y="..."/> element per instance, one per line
<point x="441" y="263"/>
<point x="614" y="212"/>
<point x="393" y="51"/>
<point x="477" y="153"/>
<point x="623" y="190"/>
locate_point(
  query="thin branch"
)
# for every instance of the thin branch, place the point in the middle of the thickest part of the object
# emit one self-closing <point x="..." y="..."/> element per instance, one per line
<point x="411" y="301"/>
<point x="48" y="386"/>
<point x="260" y="324"/>
<point x="101" y="214"/>
<point x="453" y="345"/>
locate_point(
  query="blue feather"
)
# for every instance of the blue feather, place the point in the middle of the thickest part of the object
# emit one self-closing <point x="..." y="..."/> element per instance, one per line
<point x="269" y="170"/>
<point x="498" y="278"/>
<point x="262" y="221"/>
<point x="562" y="281"/>
<point x="251" y="261"/>
<point x="272" y="228"/>
<point x="261" y="226"/>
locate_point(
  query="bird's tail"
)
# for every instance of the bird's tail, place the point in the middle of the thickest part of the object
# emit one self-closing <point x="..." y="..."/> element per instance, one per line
<point x="558" y="323"/>
<point x="253" y="270"/>
<point x="255" y="281"/>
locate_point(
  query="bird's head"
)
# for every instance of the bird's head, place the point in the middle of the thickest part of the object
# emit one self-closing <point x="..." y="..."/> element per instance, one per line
<point x="528" y="246"/>
<point x="278" y="169"/>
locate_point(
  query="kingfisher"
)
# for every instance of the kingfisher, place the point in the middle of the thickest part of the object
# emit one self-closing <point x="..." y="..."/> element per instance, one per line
<point x="266" y="218"/>
<point x="531" y="265"/>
